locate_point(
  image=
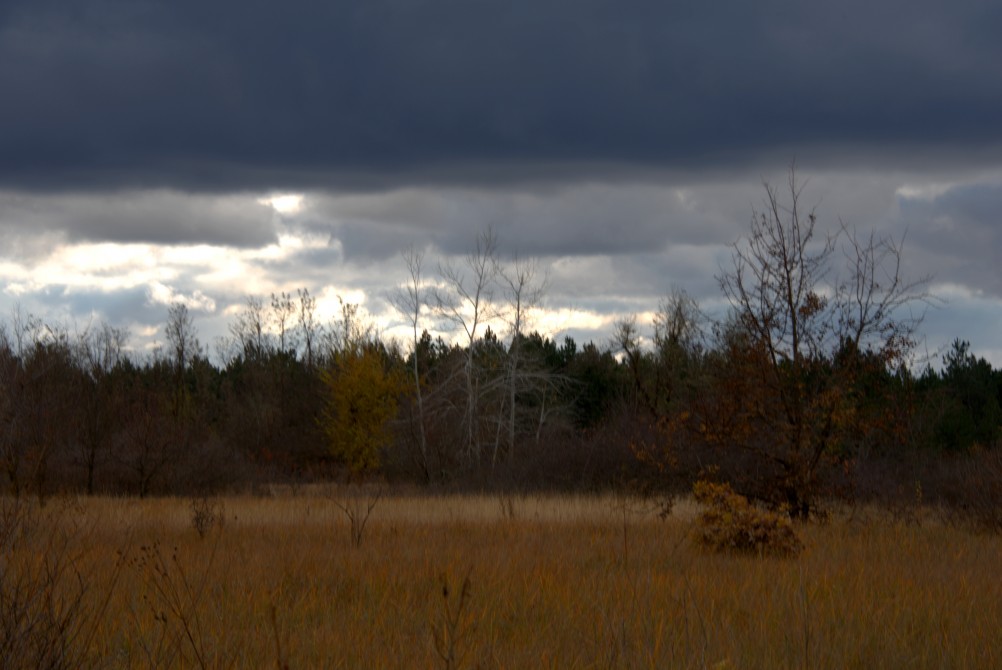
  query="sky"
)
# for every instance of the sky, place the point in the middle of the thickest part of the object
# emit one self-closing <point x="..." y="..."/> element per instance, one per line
<point x="154" y="151"/>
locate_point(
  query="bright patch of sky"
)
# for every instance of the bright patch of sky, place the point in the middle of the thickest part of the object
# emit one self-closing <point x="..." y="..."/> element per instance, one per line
<point x="286" y="203"/>
<point x="923" y="191"/>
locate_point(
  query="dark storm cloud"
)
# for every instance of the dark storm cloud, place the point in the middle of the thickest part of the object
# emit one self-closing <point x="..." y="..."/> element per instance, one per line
<point x="229" y="95"/>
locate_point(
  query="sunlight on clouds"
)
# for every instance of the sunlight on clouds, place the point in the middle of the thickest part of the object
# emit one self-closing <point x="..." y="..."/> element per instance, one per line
<point x="288" y="244"/>
<point x="330" y="298"/>
<point x="164" y="295"/>
<point x="201" y="254"/>
<point x="147" y="332"/>
<point x="684" y="198"/>
<point x="551" y="322"/>
<point x="110" y="267"/>
<point x="227" y="270"/>
<point x="15" y="288"/>
<point x="304" y="240"/>
<point x="929" y="191"/>
<point x="106" y="257"/>
<point x="105" y="267"/>
<point x="949" y="291"/>
<point x="284" y="203"/>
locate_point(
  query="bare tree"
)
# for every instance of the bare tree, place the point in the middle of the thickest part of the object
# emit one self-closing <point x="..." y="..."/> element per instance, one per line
<point x="181" y="336"/>
<point x="348" y="333"/>
<point x="777" y="277"/>
<point x="467" y="302"/>
<point x="409" y="301"/>
<point x="184" y="349"/>
<point x="100" y="350"/>
<point x="626" y="338"/>
<point x="308" y="326"/>
<point x="523" y="288"/>
<point x="678" y="341"/>
<point x="679" y="324"/>
<point x="27" y="330"/>
<point x="250" y="330"/>
<point x="873" y="296"/>
<point x="283" y="311"/>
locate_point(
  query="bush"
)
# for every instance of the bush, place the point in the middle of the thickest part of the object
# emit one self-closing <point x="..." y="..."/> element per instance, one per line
<point x="206" y="513"/>
<point x="730" y="523"/>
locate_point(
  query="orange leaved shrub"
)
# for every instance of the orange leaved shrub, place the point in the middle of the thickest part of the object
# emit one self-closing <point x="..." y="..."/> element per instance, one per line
<point x="729" y="522"/>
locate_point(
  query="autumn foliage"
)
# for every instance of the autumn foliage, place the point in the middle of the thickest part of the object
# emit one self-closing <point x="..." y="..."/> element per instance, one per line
<point x="363" y="389"/>
<point x="729" y="522"/>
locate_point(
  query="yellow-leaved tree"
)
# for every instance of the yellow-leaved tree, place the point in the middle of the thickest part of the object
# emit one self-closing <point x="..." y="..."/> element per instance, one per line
<point x="363" y="389"/>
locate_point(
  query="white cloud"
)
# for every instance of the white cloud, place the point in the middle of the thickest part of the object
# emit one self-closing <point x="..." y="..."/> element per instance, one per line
<point x="552" y="322"/>
<point x="165" y="295"/>
<point x="919" y="191"/>
<point x="284" y="203"/>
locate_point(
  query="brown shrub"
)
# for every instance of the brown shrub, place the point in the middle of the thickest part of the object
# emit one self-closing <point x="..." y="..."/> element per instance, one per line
<point x="730" y="523"/>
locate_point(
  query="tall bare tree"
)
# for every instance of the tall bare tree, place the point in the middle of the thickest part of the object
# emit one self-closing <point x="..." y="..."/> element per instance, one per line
<point x="523" y="286"/>
<point x="409" y="300"/>
<point x="181" y="336"/>
<point x="283" y="311"/>
<point x="100" y="349"/>
<point x="876" y="306"/>
<point x="250" y="330"/>
<point x="467" y="302"/>
<point x="308" y="327"/>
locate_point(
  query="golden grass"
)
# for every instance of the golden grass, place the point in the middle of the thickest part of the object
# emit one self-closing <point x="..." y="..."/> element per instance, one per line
<point x="567" y="582"/>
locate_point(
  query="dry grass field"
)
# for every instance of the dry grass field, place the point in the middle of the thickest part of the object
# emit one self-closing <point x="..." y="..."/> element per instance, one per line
<point x="492" y="582"/>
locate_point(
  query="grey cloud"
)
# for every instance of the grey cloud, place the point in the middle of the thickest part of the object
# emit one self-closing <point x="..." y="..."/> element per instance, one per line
<point x="306" y="264"/>
<point x="976" y="320"/>
<point x="119" y="307"/>
<point x="959" y="233"/>
<point x="229" y="95"/>
<point x="588" y="219"/>
<point x="77" y="310"/>
<point x="600" y="218"/>
<point x="160" y="216"/>
<point x="27" y="243"/>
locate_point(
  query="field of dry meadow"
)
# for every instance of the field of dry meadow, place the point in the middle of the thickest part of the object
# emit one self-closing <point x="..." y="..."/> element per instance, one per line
<point x="296" y="581"/>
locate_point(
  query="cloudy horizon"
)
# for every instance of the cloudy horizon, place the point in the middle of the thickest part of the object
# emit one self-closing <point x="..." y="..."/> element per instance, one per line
<point x="160" y="151"/>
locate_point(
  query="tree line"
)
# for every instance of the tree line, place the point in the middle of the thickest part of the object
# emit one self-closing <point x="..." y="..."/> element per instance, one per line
<point x="806" y="390"/>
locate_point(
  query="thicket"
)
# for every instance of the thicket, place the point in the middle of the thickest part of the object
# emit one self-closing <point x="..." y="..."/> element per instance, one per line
<point x="804" y="393"/>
